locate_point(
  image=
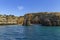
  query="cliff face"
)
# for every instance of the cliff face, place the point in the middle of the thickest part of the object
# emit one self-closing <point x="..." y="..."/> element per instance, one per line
<point x="2" y="19"/>
<point x="20" y="20"/>
<point x="27" y="19"/>
<point x="11" y="20"/>
<point x="8" y="19"/>
<point x="43" y="18"/>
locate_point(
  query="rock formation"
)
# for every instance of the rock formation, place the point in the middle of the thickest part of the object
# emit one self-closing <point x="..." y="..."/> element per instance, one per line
<point x="27" y="19"/>
<point x="20" y="20"/>
<point x="44" y="18"/>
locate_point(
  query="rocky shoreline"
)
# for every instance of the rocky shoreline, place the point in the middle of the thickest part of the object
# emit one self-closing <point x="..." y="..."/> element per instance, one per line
<point x="43" y="18"/>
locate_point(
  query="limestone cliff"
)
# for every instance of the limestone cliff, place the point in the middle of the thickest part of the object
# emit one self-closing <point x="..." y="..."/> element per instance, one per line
<point x="27" y="19"/>
<point x="8" y="19"/>
<point x="43" y="18"/>
<point x="20" y="20"/>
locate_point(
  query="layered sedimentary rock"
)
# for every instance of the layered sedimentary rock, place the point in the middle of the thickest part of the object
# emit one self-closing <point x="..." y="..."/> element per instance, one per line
<point x="2" y="19"/>
<point x="43" y="18"/>
<point x="27" y="19"/>
<point x="11" y="20"/>
<point x="8" y="19"/>
<point x="35" y="20"/>
<point x="20" y="20"/>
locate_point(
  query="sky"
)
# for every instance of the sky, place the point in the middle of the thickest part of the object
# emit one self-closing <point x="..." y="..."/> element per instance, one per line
<point x="21" y="7"/>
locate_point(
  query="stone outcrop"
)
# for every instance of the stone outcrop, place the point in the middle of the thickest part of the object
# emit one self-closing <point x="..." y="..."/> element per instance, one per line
<point x="11" y="19"/>
<point x="27" y="19"/>
<point x="20" y="20"/>
<point x="8" y="19"/>
<point x="43" y="18"/>
<point x="35" y="20"/>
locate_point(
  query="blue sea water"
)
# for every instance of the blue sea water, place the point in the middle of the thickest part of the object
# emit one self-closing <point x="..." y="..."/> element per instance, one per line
<point x="34" y="32"/>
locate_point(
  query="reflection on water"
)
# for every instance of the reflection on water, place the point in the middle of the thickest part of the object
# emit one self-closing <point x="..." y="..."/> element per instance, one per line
<point x="35" y="32"/>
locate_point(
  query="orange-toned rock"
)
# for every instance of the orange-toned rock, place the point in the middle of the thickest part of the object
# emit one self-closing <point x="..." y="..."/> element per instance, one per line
<point x="27" y="19"/>
<point x="20" y="20"/>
